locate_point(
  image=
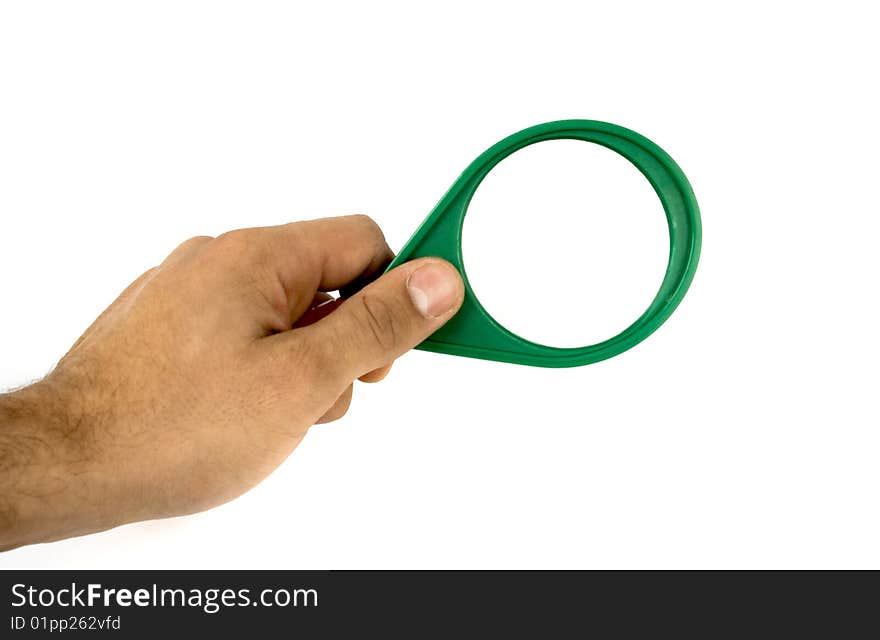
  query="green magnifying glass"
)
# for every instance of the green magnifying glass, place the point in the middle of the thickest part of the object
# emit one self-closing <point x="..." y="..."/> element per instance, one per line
<point x="474" y="333"/>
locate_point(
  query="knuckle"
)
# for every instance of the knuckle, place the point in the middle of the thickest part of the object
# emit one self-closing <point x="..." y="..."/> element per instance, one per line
<point x="312" y="361"/>
<point x="380" y="319"/>
<point x="293" y="232"/>
<point x="234" y="243"/>
<point x="188" y="246"/>
<point x="342" y="407"/>
<point x="193" y="242"/>
<point x="370" y="226"/>
<point x="364" y="219"/>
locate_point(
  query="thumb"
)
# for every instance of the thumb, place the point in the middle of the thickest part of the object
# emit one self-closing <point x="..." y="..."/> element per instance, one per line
<point x="387" y="318"/>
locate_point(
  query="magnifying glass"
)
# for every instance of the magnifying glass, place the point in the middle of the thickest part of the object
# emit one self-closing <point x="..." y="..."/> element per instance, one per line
<point x="474" y="333"/>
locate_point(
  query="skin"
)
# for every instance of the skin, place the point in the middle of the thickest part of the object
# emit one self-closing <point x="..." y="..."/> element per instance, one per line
<point x="207" y="371"/>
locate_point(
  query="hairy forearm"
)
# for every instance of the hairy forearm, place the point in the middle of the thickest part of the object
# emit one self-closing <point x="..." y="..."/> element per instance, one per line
<point x="44" y="483"/>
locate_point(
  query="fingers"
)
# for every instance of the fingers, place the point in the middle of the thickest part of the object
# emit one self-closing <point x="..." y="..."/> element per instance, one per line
<point x="323" y="305"/>
<point x="381" y="322"/>
<point x="309" y="256"/>
<point x="339" y="408"/>
<point x="341" y="251"/>
<point x="376" y="375"/>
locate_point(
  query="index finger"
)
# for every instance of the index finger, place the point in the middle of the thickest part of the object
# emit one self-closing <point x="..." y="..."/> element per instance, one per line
<point x="326" y="254"/>
<point x="332" y="253"/>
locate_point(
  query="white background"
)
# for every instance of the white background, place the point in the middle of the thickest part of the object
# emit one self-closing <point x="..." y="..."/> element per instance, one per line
<point x="744" y="433"/>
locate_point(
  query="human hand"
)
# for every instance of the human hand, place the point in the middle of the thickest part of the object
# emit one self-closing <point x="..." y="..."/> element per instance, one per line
<point x="207" y="371"/>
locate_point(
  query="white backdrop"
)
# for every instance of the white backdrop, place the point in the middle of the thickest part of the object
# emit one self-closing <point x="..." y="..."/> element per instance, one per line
<point x="744" y="433"/>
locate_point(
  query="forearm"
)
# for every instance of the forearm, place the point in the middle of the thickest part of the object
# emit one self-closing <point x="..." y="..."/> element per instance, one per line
<point x="46" y="488"/>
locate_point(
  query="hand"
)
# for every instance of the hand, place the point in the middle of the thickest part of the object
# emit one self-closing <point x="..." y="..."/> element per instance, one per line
<point x="205" y="374"/>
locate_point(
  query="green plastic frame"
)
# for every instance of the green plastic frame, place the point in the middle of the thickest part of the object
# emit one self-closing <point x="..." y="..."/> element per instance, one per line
<point x="474" y="333"/>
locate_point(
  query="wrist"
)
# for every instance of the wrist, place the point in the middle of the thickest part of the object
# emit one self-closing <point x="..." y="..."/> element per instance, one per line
<point x="47" y="474"/>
